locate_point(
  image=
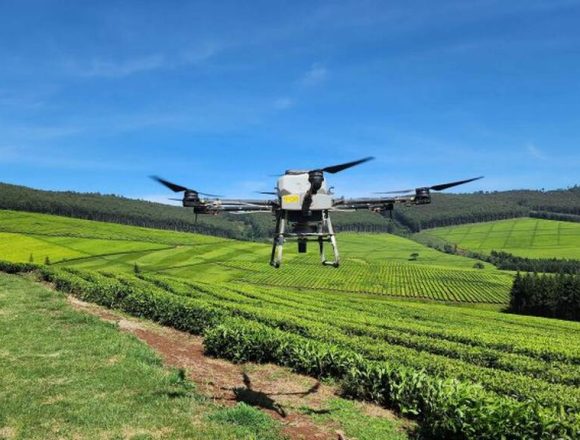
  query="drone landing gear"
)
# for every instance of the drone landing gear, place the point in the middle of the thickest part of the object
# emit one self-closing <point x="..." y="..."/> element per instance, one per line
<point x="324" y="233"/>
<point x="278" y="244"/>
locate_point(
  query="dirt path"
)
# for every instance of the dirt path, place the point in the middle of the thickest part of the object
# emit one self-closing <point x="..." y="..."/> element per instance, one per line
<point x="284" y="395"/>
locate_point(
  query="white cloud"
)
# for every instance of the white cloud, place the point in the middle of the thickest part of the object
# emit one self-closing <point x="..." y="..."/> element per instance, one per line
<point x="199" y="53"/>
<point x="116" y="69"/>
<point x="58" y="159"/>
<point x="19" y="133"/>
<point x="316" y="75"/>
<point x="535" y="152"/>
<point x="283" y="103"/>
<point x="119" y="68"/>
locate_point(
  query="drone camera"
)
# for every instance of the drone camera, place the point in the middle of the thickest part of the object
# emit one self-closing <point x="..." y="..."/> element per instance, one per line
<point x="315" y="178"/>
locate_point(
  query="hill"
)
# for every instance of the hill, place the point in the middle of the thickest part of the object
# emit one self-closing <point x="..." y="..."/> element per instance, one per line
<point x="461" y="371"/>
<point x="446" y="209"/>
<point x="381" y="264"/>
<point x="116" y="209"/>
<point x="524" y="237"/>
<point x="457" y="209"/>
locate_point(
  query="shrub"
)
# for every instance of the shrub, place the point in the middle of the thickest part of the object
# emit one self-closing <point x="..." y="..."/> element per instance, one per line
<point x="446" y="408"/>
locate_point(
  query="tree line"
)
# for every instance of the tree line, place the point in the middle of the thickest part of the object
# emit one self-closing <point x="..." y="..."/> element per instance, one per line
<point x="552" y="296"/>
<point x="555" y="216"/>
<point x="507" y="261"/>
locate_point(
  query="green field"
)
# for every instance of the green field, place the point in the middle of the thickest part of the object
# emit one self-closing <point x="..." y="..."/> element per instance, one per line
<point x="379" y="263"/>
<point x="477" y="370"/>
<point x="64" y="374"/>
<point x="457" y="369"/>
<point x="524" y="237"/>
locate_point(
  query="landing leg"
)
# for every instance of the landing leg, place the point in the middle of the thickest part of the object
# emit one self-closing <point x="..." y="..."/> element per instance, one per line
<point x="277" y="246"/>
<point x="274" y="242"/>
<point x="327" y="224"/>
<point x="321" y="242"/>
<point x="333" y="241"/>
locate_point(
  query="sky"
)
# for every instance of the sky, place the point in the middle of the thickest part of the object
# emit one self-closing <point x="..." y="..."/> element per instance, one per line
<point x="95" y="96"/>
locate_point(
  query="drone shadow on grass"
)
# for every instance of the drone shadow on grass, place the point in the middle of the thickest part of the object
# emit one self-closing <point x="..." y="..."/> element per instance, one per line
<point x="263" y="400"/>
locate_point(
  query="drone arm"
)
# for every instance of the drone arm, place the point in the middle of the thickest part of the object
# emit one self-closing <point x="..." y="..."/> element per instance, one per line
<point x="372" y="203"/>
<point x="238" y="202"/>
<point x="242" y="205"/>
<point x="243" y="209"/>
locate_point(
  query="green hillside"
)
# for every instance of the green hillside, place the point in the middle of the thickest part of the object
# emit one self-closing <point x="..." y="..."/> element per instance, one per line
<point x="457" y="209"/>
<point x="381" y="264"/>
<point x="117" y="209"/>
<point x="446" y="210"/>
<point x="463" y="372"/>
<point x="525" y="237"/>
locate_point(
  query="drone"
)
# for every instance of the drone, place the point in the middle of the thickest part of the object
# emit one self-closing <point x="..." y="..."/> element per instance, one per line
<point x="302" y="205"/>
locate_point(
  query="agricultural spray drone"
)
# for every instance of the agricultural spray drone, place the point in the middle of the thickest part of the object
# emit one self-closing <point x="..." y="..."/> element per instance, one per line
<point x="302" y="205"/>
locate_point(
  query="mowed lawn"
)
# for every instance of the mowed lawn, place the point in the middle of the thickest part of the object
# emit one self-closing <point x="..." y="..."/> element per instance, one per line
<point x="67" y="375"/>
<point x="525" y="237"/>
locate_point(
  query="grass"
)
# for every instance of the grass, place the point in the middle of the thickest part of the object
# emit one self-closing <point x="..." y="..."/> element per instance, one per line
<point x="246" y="419"/>
<point x="356" y="423"/>
<point x="524" y="237"/>
<point x="64" y="374"/>
<point x="514" y="356"/>
<point x="374" y="263"/>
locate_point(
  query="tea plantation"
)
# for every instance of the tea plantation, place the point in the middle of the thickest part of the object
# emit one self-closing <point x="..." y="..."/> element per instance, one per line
<point x="524" y="237"/>
<point x="461" y="370"/>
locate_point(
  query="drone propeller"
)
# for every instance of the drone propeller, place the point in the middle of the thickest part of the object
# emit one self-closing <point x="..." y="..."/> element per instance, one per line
<point x="443" y="186"/>
<point x="267" y="193"/>
<point x="331" y="169"/>
<point x="178" y="188"/>
<point x="439" y="187"/>
<point x="172" y="186"/>
<point x="343" y="166"/>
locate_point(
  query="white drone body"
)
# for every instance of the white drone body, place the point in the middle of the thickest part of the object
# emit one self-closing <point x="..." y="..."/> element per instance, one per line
<point x="293" y="187"/>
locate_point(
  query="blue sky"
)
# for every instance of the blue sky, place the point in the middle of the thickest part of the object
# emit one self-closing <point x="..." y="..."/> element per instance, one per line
<point x="95" y="96"/>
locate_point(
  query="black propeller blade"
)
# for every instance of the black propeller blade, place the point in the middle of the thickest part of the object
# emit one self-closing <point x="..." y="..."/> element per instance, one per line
<point x="343" y="166"/>
<point x="443" y="186"/>
<point x="439" y="187"/>
<point x="178" y="188"/>
<point x="172" y="186"/>
<point x="268" y="193"/>
<point x="208" y="195"/>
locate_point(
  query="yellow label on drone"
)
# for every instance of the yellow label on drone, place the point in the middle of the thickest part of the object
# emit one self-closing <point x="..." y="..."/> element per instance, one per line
<point x="291" y="198"/>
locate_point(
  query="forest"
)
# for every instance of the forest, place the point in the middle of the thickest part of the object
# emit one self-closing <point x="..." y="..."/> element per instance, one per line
<point x="456" y="209"/>
<point x="506" y="261"/>
<point x="553" y="296"/>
